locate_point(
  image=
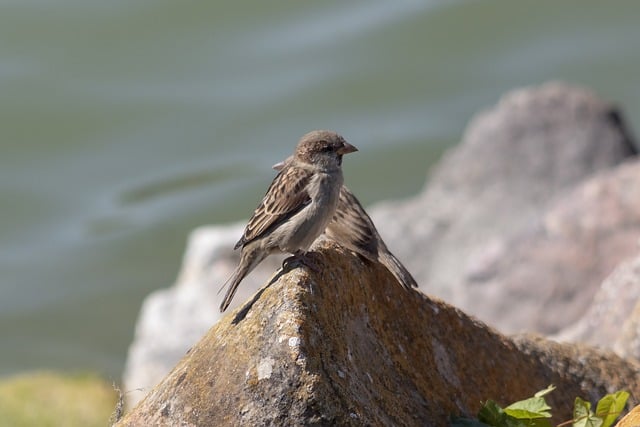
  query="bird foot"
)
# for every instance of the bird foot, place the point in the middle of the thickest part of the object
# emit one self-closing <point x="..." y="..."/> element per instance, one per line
<point x="300" y="258"/>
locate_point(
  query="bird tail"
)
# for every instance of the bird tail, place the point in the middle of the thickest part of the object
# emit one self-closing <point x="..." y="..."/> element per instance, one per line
<point x="235" y="279"/>
<point x="398" y="270"/>
<point x="249" y="259"/>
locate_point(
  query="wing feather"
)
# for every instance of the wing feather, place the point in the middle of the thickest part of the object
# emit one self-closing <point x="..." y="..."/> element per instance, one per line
<point x="286" y="196"/>
<point x="354" y="229"/>
<point x="351" y="221"/>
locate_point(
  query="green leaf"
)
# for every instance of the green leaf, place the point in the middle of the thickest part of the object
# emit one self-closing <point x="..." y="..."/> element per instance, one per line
<point x="532" y="408"/>
<point x="533" y="411"/>
<point x="589" y="421"/>
<point x="610" y="407"/>
<point x="546" y="391"/>
<point x="581" y="408"/>
<point x="582" y="415"/>
<point x="492" y="414"/>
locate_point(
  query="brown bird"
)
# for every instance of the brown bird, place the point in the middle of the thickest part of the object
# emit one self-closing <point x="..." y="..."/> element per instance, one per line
<point x="297" y="207"/>
<point x="352" y="228"/>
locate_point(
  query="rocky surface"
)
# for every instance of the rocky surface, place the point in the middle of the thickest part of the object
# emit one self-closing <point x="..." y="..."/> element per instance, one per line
<point x="612" y="319"/>
<point x="513" y="162"/>
<point x="627" y="343"/>
<point x="632" y="419"/>
<point x="466" y="237"/>
<point x="545" y="276"/>
<point x="347" y="346"/>
<point x="172" y="320"/>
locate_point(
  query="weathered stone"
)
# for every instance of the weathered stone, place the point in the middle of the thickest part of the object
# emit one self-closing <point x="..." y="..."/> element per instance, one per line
<point x="172" y="320"/>
<point x="513" y="161"/>
<point x="347" y="346"/>
<point x="632" y="419"/>
<point x="545" y="277"/>
<point x="609" y="321"/>
<point x="627" y="343"/>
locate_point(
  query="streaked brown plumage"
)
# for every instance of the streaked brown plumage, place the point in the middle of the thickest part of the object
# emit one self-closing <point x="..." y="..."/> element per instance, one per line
<point x="297" y="207"/>
<point x="352" y="227"/>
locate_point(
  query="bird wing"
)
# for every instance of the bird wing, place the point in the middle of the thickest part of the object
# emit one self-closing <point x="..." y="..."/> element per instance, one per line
<point x="286" y="196"/>
<point x="354" y="229"/>
<point x="351" y="221"/>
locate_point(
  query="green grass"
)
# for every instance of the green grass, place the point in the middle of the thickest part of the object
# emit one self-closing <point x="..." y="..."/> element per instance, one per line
<point x="51" y="399"/>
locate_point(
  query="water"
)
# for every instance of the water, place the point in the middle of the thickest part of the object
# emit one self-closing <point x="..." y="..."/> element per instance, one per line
<point x="124" y="125"/>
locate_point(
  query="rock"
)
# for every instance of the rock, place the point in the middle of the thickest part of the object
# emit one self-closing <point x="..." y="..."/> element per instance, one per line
<point x="512" y="163"/>
<point x="628" y="342"/>
<point x="544" y="277"/>
<point x="172" y="320"/>
<point x="595" y="369"/>
<point x="347" y="346"/>
<point x="632" y="419"/>
<point x="609" y="321"/>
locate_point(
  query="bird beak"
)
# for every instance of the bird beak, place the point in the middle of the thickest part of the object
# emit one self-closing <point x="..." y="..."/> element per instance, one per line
<point x="347" y="148"/>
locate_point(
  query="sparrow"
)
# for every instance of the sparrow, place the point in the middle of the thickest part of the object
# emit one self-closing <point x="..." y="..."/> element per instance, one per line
<point x="297" y="206"/>
<point x="352" y="228"/>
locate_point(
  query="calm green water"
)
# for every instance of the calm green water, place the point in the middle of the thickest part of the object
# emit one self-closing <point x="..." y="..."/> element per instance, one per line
<point x="126" y="124"/>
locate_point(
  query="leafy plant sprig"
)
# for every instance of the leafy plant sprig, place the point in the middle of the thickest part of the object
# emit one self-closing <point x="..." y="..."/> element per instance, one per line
<point x="535" y="412"/>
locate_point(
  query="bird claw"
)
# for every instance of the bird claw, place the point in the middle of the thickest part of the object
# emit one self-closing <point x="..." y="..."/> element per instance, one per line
<point x="300" y="259"/>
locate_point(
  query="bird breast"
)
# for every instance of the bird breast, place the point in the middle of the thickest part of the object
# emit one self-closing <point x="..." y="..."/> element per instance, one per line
<point x="303" y="229"/>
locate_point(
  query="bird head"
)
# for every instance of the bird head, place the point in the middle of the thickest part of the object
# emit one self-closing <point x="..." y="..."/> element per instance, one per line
<point x="324" y="148"/>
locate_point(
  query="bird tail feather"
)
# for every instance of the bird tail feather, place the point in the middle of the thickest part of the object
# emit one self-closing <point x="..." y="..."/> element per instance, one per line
<point x="249" y="259"/>
<point x="398" y="270"/>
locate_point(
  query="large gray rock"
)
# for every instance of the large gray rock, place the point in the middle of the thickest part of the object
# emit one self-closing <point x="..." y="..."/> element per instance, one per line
<point x="513" y="162"/>
<point x="346" y="345"/>
<point x="627" y="343"/>
<point x="544" y="277"/>
<point x="611" y="320"/>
